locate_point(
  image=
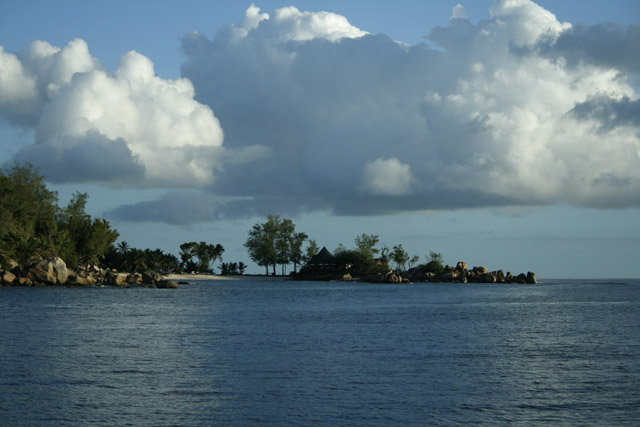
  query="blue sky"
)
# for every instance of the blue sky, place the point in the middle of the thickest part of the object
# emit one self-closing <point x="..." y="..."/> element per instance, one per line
<point x="507" y="137"/>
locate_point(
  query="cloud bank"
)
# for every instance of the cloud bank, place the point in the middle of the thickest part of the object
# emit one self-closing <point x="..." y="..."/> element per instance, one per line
<point x="127" y="128"/>
<point x="518" y="109"/>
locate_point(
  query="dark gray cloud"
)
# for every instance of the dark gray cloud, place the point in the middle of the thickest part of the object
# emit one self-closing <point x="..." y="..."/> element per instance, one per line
<point x="607" y="45"/>
<point x="609" y="113"/>
<point x="177" y="208"/>
<point x="89" y="158"/>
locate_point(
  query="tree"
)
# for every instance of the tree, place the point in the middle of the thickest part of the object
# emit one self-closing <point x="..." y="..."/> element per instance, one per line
<point x="84" y="240"/>
<point x="399" y="256"/>
<point x="366" y="243"/>
<point x="241" y="268"/>
<point x="205" y="254"/>
<point x="275" y="242"/>
<point x="311" y="251"/>
<point x="297" y="257"/>
<point x="123" y="247"/>
<point x="414" y="259"/>
<point x="435" y="263"/>
<point x="28" y="211"/>
<point x="261" y="243"/>
<point x="32" y="225"/>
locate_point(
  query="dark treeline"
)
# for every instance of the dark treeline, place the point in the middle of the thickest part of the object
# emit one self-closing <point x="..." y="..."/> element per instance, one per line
<point x="33" y="227"/>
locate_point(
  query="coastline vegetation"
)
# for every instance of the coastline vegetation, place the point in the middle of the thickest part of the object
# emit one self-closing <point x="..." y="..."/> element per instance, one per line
<point x="35" y="229"/>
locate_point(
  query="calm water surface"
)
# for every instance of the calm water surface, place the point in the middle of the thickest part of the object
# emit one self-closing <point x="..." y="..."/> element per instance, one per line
<point x="292" y="353"/>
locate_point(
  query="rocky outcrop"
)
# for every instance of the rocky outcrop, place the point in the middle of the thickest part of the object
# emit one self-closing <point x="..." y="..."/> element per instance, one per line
<point x="389" y="277"/>
<point x="54" y="272"/>
<point x="461" y="274"/>
<point x="48" y="272"/>
<point x="166" y="284"/>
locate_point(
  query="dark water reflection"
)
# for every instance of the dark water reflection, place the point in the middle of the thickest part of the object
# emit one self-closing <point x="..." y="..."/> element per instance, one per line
<point x="237" y="353"/>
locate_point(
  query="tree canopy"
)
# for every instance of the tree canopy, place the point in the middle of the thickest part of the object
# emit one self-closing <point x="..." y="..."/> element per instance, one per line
<point x="32" y="224"/>
<point x="275" y="242"/>
<point x="200" y="256"/>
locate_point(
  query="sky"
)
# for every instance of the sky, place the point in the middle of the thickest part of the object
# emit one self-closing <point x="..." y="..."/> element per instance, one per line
<point x="502" y="133"/>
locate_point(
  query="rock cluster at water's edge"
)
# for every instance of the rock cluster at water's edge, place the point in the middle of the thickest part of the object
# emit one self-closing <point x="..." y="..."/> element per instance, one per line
<point x="54" y="272"/>
<point x="461" y="274"/>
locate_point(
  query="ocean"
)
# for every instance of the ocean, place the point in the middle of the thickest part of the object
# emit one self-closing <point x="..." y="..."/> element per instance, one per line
<point x="250" y="352"/>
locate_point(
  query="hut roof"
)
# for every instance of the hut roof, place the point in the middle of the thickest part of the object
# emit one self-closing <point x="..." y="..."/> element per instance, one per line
<point x="324" y="257"/>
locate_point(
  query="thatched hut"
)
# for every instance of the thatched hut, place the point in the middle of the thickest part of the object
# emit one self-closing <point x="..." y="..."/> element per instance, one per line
<point x="322" y="260"/>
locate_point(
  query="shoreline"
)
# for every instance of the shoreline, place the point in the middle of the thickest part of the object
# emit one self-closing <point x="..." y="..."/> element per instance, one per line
<point x="203" y="277"/>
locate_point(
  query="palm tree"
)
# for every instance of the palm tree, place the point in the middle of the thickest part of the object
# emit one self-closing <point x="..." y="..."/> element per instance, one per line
<point x="123" y="247"/>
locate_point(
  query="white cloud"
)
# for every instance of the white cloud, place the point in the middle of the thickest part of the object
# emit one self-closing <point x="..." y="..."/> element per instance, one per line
<point x="387" y="177"/>
<point x="502" y="112"/>
<point x="483" y="120"/>
<point x="458" y="12"/>
<point x="288" y="23"/>
<point x="525" y="21"/>
<point x="175" y="140"/>
<point x="18" y="91"/>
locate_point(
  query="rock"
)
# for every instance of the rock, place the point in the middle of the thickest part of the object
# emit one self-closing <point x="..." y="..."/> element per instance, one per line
<point x="393" y="278"/>
<point x="461" y="266"/>
<point x="151" y="278"/>
<point x="451" y="276"/>
<point x="406" y="281"/>
<point x="41" y="271"/>
<point x="520" y="278"/>
<point x="52" y="271"/>
<point x="23" y="281"/>
<point x="88" y="281"/>
<point x="480" y="270"/>
<point x="167" y="284"/>
<point x="7" y="277"/>
<point x="60" y="270"/>
<point x="531" y="278"/>
<point x="115" y="279"/>
<point x="134" y="279"/>
<point x="347" y="277"/>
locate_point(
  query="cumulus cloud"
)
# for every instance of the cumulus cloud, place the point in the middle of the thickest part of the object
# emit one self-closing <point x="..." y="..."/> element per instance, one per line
<point x="459" y="12"/>
<point x="151" y="126"/>
<point x="480" y="116"/>
<point x="290" y="24"/>
<point x="320" y="115"/>
<point x="387" y="177"/>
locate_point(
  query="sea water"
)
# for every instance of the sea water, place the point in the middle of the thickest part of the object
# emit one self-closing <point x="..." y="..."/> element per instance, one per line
<point x="322" y="353"/>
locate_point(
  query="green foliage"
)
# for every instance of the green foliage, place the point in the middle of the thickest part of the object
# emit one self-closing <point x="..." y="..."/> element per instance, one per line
<point x="435" y="263"/>
<point x="413" y="261"/>
<point x="124" y="258"/>
<point x="366" y="243"/>
<point x="354" y="261"/>
<point x="232" y="268"/>
<point x="399" y="256"/>
<point x="84" y="240"/>
<point x="311" y="251"/>
<point x="200" y="256"/>
<point x="275" y="242"/>
<point x="27" y="215"/>
<point x="32" y="225"/>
